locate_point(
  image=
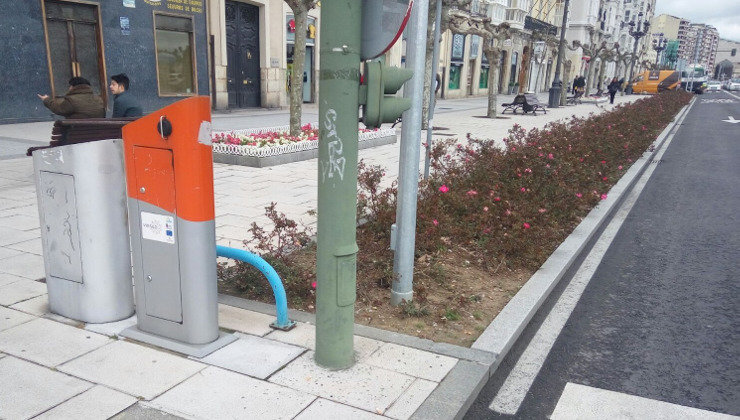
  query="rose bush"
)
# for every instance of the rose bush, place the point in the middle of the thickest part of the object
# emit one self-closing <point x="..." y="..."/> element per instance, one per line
<point x="515" y="205"/>
<point x="270" y="138"/>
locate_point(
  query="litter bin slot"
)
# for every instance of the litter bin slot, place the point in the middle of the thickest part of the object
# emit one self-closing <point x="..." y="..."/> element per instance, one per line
<point x="59" y="209"/>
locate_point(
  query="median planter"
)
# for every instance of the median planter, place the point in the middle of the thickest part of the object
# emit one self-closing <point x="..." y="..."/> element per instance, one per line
<point x="272" y="146"/>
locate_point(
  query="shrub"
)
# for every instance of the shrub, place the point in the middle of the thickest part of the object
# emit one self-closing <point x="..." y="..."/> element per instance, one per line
<point x="516" y="204"/>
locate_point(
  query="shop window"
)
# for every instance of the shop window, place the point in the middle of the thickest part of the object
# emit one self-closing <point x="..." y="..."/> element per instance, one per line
<point x="173" y="37"/>
<point x="455" y="70"/>
<point x="483" y="82"/>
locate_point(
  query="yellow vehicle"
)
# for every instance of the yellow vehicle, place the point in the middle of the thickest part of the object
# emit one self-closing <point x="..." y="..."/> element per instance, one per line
<point x="654" y="81"/>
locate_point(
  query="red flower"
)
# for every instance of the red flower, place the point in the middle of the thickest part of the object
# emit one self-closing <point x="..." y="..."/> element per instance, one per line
<point x="443" y="189"/>
<point x="526" y="225"/>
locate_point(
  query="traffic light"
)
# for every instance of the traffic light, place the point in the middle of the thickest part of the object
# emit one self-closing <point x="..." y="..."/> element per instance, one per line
<point x="378" y="93"/>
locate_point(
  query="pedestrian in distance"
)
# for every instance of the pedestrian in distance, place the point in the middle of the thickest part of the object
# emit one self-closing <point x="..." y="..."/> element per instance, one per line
<point x="79" y="102"/>
<point x="621" y="87"/>
<point x="613" y="88"/>
<point x="124" y="104"/>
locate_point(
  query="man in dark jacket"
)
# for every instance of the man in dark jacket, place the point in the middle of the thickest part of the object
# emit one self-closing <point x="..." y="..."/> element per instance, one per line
<point x="124" y="104"/>
<point x="79" y="102"/>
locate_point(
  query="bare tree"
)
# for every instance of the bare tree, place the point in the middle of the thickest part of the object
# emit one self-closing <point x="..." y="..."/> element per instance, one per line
<point x="300" y="15"/>
<point x="463" y="22"/>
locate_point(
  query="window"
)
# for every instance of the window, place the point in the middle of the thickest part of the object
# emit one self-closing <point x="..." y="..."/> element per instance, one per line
<point x="173" y="37"/>
<point x="733" y="52"/>
<point x="455" y="70"/>
<point x="483" y="82"/>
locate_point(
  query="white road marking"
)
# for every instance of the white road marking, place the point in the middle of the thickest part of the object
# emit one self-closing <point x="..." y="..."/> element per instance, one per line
<point x="586" y="403"/>
<point x="731" y="119"/>
<point x="516" y="386"/>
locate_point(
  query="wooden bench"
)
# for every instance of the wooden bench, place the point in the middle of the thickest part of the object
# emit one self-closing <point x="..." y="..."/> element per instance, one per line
<point x="532" y="104"/>
<point x="517" y="103"/>
<point x="74" y="131"/>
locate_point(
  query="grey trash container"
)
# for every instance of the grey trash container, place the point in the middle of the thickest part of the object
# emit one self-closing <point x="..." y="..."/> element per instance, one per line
<point x="81" y="191"/>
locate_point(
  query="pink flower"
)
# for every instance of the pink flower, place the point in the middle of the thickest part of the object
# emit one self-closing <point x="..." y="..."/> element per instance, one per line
<point x="542" y="210"/>
<point x="485" y="208"/>
<point x="529" y="171"/>
<point x="619" y="167"/>
<point x="579" y="195"/>
<point x="523" y="189"/>
<point x="604" y="178"/>
<point x="497" y="199"/>
<point x="603" y="196"/>
<point x="526" y="225"/>
<point x="435" y="222"/>
<point x="313" y="285"/>
<point x="443" y="189"/>
<point x="472" y="193"/>
<point x="508" y="212"/>
<point x="603" y="161"/>
<point x="550" y="156"/>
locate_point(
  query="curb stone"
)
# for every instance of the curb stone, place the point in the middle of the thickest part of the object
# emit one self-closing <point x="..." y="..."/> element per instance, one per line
<point x="459" y="389"/>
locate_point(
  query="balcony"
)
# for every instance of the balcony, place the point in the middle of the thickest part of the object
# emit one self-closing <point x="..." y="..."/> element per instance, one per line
<point x="516" y="11"/>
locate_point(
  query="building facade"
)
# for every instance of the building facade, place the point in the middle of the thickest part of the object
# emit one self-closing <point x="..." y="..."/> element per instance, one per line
<point x="160" y="44"/>
<point x="253" y="53"/>
<point x="728" y="56"/>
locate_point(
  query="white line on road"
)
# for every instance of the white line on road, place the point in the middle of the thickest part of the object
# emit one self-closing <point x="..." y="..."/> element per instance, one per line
<point x="516" y="386"/>
<point x="587" y="403"/>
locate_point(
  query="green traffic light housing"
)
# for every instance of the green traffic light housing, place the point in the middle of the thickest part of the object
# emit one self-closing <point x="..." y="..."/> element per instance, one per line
<point x="382" y="82"/>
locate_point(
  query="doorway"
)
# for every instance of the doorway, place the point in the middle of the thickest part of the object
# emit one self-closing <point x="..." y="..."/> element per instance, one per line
<point x="307" y="71"/>
<point x="243" y="55"/>
<point x="74" y="45"/>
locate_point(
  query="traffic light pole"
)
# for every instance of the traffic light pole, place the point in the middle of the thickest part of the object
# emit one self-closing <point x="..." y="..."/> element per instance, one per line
<point x="336" y="258"/>
<point x="408" y="172"/>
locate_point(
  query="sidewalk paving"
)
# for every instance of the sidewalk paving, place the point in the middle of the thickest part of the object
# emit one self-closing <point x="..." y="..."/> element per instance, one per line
<point x="60" y="368"/>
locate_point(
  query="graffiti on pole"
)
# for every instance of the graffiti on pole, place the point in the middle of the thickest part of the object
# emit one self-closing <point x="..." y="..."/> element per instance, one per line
<point x="336" y="163"/>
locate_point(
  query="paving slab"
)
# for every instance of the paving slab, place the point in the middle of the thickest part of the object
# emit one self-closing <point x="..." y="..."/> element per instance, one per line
<point x="34" y="389"/>
<point x="131" y="368"/>
<point x="363" y="386"/>
<point x="38" y="306"/>
<point x="97" y="402"/>
<point x="20" y="290"/>
<point x="219" y="394"/>
<point x="304" y="335"/>
<point x="9" y="235"/>
<point x="21" y="221"/>
<point x="7" y="278"/>
<point x="322" y="409"/>
<point x="47" y="342"/>
<point x="31" y="246"/>
<point x="412" y="399"/>
<point x="9" y="318"/>
<point x="112" y="329"/>
<point x="241" y="320"/>
<point x="140" y="411"/>
<point x="6" y="252"/>
<point x="413" y="362"/>
<point x="254" y="356"/>
<point x="30" y="266"/>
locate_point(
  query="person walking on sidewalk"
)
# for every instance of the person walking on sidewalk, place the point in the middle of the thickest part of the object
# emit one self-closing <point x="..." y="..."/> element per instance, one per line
<point x="79" y="102"/>
<point x="124" y="104"/>
<point x="613" y="88"/>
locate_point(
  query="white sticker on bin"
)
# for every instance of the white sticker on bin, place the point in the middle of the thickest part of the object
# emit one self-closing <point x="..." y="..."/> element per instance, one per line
<point x="158" y="227"/>
<point x="204" y="133"/>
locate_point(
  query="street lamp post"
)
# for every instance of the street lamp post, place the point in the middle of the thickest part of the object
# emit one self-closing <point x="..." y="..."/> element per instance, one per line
<point x="557" y="84"/>
<point x="659" y="45"/>
<point x="642" y="30"/>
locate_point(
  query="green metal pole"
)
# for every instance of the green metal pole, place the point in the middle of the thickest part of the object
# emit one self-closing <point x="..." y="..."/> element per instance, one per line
<point x="336" y="258"/>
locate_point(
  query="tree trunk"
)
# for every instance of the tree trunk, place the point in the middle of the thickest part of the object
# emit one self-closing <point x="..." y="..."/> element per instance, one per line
<point x="492" y="84"/>
<point x="589" y="75"/>
<point x="296" y="78"/>
<point x="428" y="65"/>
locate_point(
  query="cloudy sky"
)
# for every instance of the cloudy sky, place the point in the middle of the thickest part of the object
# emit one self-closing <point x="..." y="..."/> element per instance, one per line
<point x="722" y="14"/>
